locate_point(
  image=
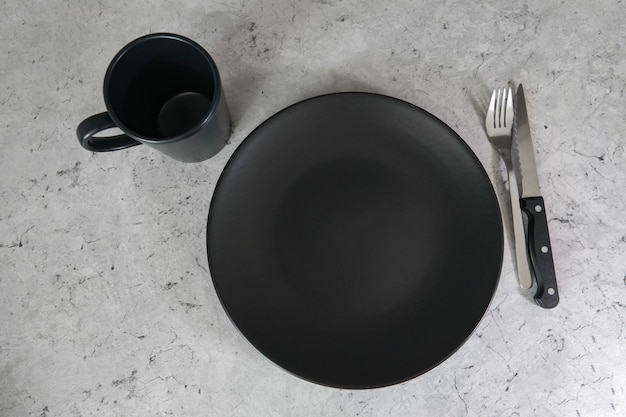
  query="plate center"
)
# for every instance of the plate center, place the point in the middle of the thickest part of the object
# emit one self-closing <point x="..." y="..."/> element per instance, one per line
<point x="348" y="239"/>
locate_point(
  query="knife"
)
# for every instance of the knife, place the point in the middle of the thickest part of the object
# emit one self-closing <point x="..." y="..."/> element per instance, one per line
<point x="532" y="204"/>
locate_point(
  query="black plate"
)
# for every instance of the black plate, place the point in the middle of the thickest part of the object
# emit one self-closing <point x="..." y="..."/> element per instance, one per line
<point x="355" y="240"/>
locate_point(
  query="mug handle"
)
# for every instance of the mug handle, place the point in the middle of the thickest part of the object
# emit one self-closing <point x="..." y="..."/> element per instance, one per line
<point x="97" y="123"/>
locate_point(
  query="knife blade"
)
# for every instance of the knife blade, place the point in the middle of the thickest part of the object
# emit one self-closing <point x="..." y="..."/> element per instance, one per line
<point x="532" y="205"/>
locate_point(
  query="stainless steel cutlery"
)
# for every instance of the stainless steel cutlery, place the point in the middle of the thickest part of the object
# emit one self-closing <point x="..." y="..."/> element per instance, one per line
<point x="499" y="126"/>
<point x="508" y="131"/>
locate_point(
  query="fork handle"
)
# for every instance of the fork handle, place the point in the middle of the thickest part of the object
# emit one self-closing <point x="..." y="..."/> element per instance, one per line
<point x="524" y="275"/>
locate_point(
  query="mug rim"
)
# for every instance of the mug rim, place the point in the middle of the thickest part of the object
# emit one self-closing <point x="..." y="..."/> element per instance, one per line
<point x="217" y="90"/>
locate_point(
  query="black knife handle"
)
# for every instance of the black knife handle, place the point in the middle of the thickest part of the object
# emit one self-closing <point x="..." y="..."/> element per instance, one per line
<point x="540" y="251"/>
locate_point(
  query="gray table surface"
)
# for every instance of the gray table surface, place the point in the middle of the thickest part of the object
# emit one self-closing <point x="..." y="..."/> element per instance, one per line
<point x="106" y="302"/>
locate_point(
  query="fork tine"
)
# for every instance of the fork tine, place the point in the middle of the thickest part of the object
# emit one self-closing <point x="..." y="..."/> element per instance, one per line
<point x="499" y="117"/>
<point x="504" y="108"/>
<point x="499" y="108"/>
<point x="508" y="115"/>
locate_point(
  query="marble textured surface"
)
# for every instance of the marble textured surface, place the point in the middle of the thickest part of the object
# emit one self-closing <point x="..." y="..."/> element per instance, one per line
<point x="106" y="303"/>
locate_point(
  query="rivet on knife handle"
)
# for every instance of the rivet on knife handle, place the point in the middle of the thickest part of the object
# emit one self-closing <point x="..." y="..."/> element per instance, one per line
<point x="540" y="251"/>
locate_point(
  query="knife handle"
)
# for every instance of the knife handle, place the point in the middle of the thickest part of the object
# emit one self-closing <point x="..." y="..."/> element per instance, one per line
<point x="540" y="251"/>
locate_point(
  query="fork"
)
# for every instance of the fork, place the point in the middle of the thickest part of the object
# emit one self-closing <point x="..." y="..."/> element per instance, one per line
<point x="499" y="126"/>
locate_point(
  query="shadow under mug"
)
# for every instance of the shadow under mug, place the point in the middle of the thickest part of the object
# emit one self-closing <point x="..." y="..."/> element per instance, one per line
<point x="162" y="90"/>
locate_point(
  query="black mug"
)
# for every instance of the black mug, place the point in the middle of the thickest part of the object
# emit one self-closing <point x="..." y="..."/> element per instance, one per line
<point x="162" y="90"/>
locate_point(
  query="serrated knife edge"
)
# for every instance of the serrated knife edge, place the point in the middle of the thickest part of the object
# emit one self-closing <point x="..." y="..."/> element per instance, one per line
<point x="522" y="149"/>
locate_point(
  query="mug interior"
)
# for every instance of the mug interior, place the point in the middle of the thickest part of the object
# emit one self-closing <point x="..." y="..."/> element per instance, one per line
<point x="145" y="82"/>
